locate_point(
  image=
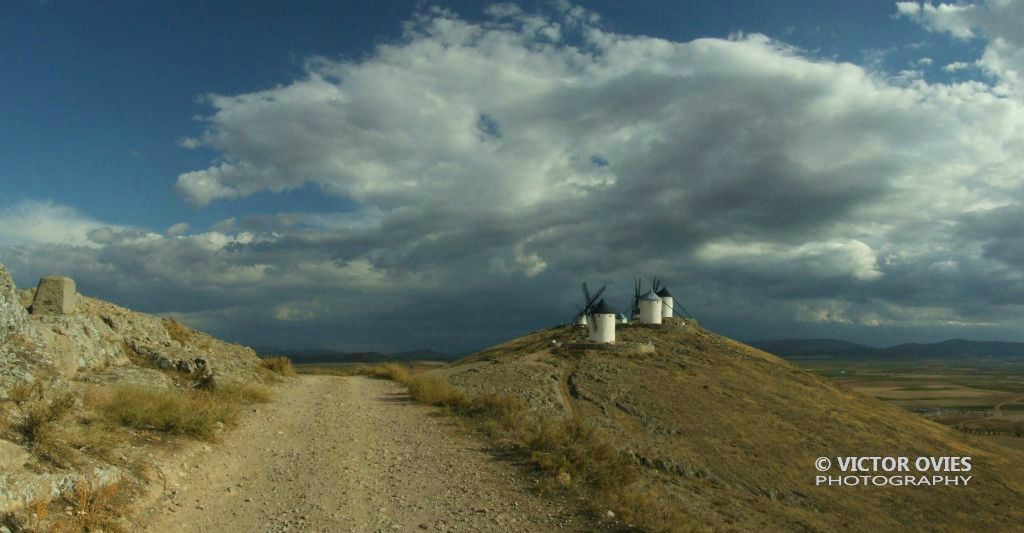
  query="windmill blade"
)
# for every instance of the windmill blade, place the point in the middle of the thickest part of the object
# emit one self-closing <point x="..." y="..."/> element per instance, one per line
<point x="673" y="308"/>
<point x="634" y="309"/>
<point x="591" y="299"/>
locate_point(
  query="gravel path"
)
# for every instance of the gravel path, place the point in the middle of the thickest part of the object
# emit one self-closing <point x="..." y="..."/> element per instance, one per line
<point x="349" y="454"/>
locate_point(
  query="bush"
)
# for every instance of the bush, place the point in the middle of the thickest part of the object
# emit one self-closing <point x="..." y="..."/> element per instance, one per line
<point x="281" y="366"/>
<point x="36" y="422"/>
<point x="36" y="418"/>
<point x="434" y="391"/>
<point x="392" y="371"/>
<point x="241" y="393"/>
<point x="92" y="509"/>
<point x="195" y="413"/>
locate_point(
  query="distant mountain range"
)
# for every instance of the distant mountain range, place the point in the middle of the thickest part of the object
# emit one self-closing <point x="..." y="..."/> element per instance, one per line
<point x="335" y="356"/>
<point x="834" y="348"/>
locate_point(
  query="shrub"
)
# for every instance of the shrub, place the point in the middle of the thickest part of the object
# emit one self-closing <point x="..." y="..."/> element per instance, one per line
<point x="392" y="371"/>
<point x="195" y="413"/>
<point x="242" y="393"/>
<point x="36" y="422"/>
<point x="434" y="391"/>
<point x="92" y="509"/>
<point x="279" y="365"/>
<point x="36" y="418"/>
<point x="177" y="331"/>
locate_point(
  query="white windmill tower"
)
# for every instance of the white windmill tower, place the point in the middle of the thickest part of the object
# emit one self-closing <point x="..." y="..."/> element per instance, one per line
<point x="650" y="308"/>
<point x="666" y="298"/>
<point x="601" y="323"/>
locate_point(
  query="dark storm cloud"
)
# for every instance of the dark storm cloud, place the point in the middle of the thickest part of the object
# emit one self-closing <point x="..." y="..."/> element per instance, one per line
<point x="494" y="165"/>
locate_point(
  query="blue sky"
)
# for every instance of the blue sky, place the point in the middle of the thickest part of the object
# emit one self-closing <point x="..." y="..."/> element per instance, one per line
<point x="301" y="174"/>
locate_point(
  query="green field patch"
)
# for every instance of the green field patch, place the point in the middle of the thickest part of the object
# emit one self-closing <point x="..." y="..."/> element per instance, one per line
<point x="968" y="407"/>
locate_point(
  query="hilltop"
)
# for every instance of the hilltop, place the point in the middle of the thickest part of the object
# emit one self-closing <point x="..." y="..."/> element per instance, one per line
<point x="728" y="434"/>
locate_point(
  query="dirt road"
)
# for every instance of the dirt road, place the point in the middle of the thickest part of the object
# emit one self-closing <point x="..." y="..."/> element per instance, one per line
<point x="349" y="454"/>
<point x="999" y="408"/>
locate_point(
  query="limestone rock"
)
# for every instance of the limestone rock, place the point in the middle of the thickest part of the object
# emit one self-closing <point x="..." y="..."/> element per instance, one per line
<point x="11" y="456"/>
<point x="55" y="295"/>
<point x="12" y="314"/>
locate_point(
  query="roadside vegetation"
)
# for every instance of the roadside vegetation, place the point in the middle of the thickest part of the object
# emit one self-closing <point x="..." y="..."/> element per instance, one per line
<point x="281" y="366"/>
<point x="72" y="430"/>
<point x="573" y="455"/>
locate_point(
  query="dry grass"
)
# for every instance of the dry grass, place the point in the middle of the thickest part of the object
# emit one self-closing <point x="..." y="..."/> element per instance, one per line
<point x="91" y="509"/>
<point x="555" y="446"/>
<point x="185" y="335"/>
<point x="194" y="413"/>
<point x="33" y="517"/>
<point x="434" y="391"/>
<point x="281" y="365"/>
<point x="83" y="508"/>
<point x="177" y="331"/>
<point x="242" y="393"/>
<point x="36" y="422"/>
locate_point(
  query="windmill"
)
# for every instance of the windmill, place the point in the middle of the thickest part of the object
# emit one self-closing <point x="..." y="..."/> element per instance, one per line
<point x="634" y="306"/>
<point x="667" y="300"/>
<point x="589" y="303"/>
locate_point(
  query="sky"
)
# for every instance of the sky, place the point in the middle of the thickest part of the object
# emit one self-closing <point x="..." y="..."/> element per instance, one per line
<point x="413" y="174"/>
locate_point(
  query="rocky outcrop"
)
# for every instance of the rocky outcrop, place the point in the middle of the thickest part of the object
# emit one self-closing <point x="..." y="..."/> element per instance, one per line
<point x="100" y="337"/>
<point x="12" y="314"/>
<point x="73" y="344"/>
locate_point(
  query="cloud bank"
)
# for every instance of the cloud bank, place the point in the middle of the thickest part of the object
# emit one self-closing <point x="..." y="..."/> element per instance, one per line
<point x="495" y="163"/>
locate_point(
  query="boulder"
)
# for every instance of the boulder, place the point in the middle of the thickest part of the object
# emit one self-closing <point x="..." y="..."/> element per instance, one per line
<point x="55" y="295"/>
<point x="12" y="456"/>
<point x="12" y="314"/>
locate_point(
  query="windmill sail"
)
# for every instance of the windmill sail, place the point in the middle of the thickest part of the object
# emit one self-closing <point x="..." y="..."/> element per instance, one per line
<point x="589" y="302"/>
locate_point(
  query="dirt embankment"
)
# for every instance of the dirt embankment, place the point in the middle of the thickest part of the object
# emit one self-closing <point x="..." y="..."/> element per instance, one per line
<point x="349" y="454"/>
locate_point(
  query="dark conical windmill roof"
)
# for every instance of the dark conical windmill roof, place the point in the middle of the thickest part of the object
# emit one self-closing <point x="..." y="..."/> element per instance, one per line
<point x="602" y="308"/>
<point x="650" y="297"/>
<point x="664" y="292"/>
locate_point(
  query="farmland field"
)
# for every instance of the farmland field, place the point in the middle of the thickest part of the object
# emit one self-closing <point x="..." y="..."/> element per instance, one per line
<point x="984" y="395"/>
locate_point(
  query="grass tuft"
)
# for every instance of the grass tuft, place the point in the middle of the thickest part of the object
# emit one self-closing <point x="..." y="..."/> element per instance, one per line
<point x="281" y="366"/>
<point x="562" y="448"/>
<point x="92" y="509"/>
<point x="195" y="413"/>
<point x="242" y="393"/>
<point x="36" y="422"/>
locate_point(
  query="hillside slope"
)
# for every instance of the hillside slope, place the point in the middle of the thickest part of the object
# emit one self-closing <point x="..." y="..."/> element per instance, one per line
<point x="730" y="434"/>
<point x="54" y="370"/>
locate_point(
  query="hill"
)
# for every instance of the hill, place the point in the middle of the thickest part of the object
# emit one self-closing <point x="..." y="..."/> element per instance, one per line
<point x="810" y="347"/>
<point x="306" y="357"/>
<point x="83" y="382"/>
<point x="949" y="349"/>
<point x="729" y="435"/>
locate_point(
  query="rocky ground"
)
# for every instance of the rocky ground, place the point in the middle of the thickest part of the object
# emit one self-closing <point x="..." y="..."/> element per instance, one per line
<point x="73" y="345"/>
<point x="350" y="454"/>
